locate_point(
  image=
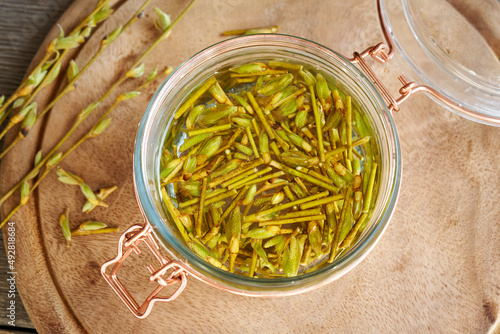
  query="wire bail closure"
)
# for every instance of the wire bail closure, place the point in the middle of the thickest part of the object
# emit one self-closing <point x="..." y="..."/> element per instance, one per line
<point x="169" y="273"/>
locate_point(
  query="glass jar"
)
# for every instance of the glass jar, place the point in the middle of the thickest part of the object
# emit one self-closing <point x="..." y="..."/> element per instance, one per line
<point x="159" y="117"/>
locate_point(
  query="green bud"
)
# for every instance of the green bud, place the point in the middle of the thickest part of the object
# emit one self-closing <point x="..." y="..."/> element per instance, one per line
<point x="321" y="113"/>
<point x="28" y="121"/>
<point x="190" y="188"/>
<point x="250" y="195"/>
<point x="38" y="157"/>
<point x="322" y="87"/>
<point x="127" y="96"/>
<point x="339" y="105"/>
<point x="308" y="77"/>
<point x="54" y="159"/>
<point x="187" y="222"/>
<point x="102" y="15"/>
<point x="270" y="30"/>
<point x="295" y="158"/>
<point x="338" y="181"/>
<point x="151" y="76"/>
<point x="89" y="194"/>
<point x="219" y="94"/>
<point x="315" y="238"/>
<point x="263" y="142"/>
<point x="297" y="190"/>
<point x="53" y="73"/>
<point x="87" y="207"/>
<point x="73" y="70"/>
<point x="86" y="32"/>
<point x="262" y="200"/>
<point x="92" y="226"/>
<point x="217" y="115"/>
<point x="241" y="156"/>
<point x="135" y="72"/>
<point x="296" y="140"/>
<point x="101" y="126"/>
<point x="233" y="225"/>
<point x="163" y="21"/>
<point x="64" y="222"/>
<point x="291" y="258"/>
<point x="25" y="192"/>
<point x="193" y="115"/>
<point x="88" y="110"/>
<point x="242" y="102"/>
<point x="301" y="119"/>
<point x="275" y="85"/>
<point x="244" y="122"/>
<point x="31" y="175"/>
<point x="285" y="93"/>
<point x="226" y="168"/>
<point x="189" y="165"/>
<point x="68" y="177"/>
<point x="23" y="112"/>
<point x="277" y="197"/>
<point x="274" y="240"/>
<point x="169" y="168"/>
<point x="283" y="135"/>
<point x="108" y="39"/>
<point x="36" y="78"/>
<point x="287" y="108"/>
<point x="18" y="102"/>
<point x="263" y="233"/>
<point x="243" y="149"/>
<point x="199" y="249"/>
<point x="211" y="146"/>
<point x="190" y="142"/>
<point x="168" y="70"/>
<point x="249" y="68"/>
<point x="48" y="64"/>
<point x="257" y="246"/>
<point x="70" y="42"/>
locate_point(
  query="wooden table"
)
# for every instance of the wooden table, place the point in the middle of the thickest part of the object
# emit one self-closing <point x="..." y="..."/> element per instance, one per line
<point x="436" y="268"/>
<point x="24" y="24"/>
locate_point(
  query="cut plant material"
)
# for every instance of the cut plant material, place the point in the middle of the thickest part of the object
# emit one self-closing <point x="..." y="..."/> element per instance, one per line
<point x="64" y="222"/>
<point x="251" y="31"/>
<point x="93" y="227"/>
<point x="72" y="179"/>
<point x="273" y="172"/>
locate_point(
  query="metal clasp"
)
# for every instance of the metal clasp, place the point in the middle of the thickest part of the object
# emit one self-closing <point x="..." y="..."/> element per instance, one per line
<point x="169" y="273"/>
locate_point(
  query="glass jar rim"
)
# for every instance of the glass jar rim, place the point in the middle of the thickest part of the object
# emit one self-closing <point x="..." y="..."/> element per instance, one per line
<point x="149" y="210"/>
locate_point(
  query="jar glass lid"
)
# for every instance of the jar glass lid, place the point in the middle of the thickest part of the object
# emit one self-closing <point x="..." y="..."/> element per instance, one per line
<point x="452" y="46"/>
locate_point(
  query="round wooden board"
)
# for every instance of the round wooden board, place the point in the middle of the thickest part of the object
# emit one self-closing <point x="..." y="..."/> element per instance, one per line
<point x="436" y="269"/>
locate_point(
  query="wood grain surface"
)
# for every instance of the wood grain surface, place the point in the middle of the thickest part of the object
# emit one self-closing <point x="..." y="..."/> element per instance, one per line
<point x="24" y="24"/>
<point x="436" y="269"/>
